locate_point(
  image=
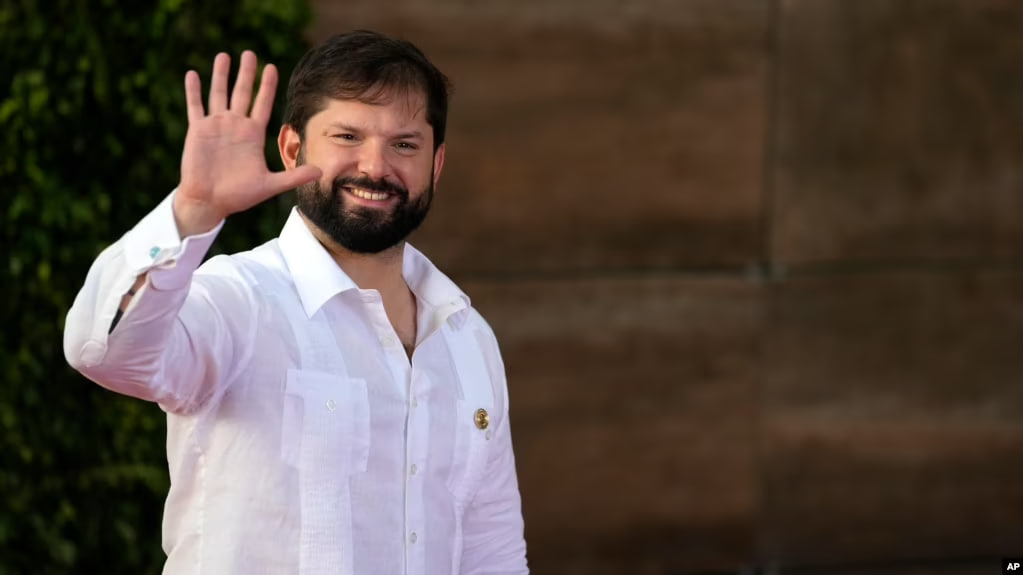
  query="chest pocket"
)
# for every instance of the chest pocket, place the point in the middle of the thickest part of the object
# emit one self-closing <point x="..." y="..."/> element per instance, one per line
<point x="475" y="417"/>
<point x="325" y="426"/>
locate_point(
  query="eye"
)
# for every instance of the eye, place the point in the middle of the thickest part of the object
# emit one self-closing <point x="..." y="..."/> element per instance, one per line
<point x="406" y="147"/>
<point x="344" y="137"/>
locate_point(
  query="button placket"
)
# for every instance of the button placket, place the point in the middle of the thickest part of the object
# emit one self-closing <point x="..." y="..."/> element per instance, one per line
<point x="416" y="471"/>
<point x="381" y="324"/>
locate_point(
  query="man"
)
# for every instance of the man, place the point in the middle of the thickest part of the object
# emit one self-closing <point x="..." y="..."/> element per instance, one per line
<point x="335" y="405"/>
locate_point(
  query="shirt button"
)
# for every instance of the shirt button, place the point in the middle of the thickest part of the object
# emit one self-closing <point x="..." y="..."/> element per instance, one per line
<point x="415" y="403"/>
<point x="153" y="252"/>
<point x="414" y="469"/>
<point x="331" y="405"/>
<point x="413" y="538"/>
<point x="481" y="418"/>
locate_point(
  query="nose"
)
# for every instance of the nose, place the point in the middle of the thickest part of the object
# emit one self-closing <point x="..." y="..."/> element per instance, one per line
<point x="373" y="161"/>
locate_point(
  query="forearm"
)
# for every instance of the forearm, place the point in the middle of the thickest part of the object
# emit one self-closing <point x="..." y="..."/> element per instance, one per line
<point x="190" y="220"/>
<point x="123" y="326"/>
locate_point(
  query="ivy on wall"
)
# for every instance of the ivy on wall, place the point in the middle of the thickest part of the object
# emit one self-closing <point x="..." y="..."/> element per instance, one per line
<point x="93" y="120"/>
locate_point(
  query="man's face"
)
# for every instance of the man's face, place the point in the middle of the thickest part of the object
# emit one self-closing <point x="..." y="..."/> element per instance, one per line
<point x="379" y="171"/>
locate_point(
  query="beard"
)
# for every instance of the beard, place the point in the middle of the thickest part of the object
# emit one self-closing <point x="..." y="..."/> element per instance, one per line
<point x="361" y="229"/>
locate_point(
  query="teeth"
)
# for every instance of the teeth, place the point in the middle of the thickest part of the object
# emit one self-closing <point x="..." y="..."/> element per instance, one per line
<point x="368" y="195"/>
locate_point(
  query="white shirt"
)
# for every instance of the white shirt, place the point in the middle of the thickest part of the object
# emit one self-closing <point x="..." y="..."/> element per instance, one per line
<point x="301" y="438"/>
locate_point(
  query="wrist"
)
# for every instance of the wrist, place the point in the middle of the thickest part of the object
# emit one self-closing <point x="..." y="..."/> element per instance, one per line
<point x="193" y="217"/>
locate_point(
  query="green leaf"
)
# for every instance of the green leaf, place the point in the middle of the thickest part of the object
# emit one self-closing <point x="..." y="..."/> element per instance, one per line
<point x="94" y="120"/>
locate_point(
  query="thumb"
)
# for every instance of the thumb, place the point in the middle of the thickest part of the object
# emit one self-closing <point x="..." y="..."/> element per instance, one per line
<point x="279" y="182"/>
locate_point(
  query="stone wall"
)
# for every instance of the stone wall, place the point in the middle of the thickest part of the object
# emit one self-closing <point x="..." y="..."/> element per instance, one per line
<point x="756" y="270"/>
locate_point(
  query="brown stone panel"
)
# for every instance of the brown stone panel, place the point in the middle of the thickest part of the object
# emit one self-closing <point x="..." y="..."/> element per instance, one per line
<point x="633" y="409"/>
<point x="972" y="566"/>
<point x="591" y="136"/>
<point x="891" y="409"/>
<point x="900" y="130"/>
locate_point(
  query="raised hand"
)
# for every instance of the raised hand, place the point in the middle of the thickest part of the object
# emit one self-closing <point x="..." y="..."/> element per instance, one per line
<point x="223" y="168"/>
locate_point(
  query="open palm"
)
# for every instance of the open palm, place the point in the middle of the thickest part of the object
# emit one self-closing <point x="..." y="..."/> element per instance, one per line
<point x="223" y="167"/>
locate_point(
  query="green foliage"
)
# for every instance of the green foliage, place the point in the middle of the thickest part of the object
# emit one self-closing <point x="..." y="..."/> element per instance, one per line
<point x="93" y="120"/>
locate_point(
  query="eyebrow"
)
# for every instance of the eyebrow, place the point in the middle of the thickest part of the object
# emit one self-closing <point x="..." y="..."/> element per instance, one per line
<point x="414" y="134"/>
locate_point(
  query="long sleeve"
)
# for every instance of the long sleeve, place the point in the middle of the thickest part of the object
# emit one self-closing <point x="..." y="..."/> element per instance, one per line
<point x="493" y="530"/>
<point x="172" y="345"/>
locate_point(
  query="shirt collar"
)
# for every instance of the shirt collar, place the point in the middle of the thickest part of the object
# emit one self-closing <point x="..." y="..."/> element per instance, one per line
<point x="433" y="287"/>
<point x="318" y="278"/>
<point x="316" y="275"/>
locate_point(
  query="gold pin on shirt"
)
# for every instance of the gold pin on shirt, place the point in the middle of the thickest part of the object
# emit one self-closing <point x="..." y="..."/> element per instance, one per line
<point x="482" y="419"/>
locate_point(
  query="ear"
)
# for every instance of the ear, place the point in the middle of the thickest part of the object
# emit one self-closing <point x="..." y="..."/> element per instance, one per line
<point x="438" y="163"/>
<point x="289" y="142"/>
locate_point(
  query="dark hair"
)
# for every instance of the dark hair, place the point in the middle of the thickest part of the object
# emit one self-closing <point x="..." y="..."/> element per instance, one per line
<point x="371" y="68"/>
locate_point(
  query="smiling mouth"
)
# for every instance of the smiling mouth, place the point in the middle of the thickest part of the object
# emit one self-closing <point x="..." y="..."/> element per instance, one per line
<point x="367" y="194"/>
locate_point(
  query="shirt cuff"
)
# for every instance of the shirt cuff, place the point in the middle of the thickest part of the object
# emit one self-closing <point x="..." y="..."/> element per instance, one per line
<point x="154" y="246"/>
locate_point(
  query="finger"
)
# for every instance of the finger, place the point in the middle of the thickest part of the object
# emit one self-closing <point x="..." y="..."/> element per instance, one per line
<point x="218" y="84"/>
<point x="242" y="95"/>
<point x="193" y="96"/>
<point x="280" y="182"/>
<point x="264" y="105"/>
